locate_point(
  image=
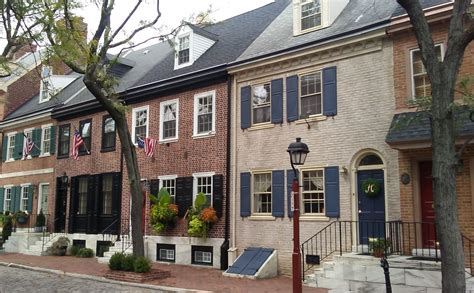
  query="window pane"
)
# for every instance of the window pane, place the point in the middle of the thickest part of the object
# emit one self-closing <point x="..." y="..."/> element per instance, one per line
<point x="170" y="185"/>
<point x="204" y="185"/>
<point x="262" y="193"/>
<point x="85" y="129"/>
<point x="107" y="195"/>
<point x="82" y="196"/>
<point x="44" y="198"/>
<point x="169" y="121"/>
<point x="313" y="191"/>
<point x="421" y="82"/>
<point x="205" y="111"/>
<point x="63" y="148"/>
<point x="108" y="135"/>
<point x="310" y="14"/>
<point x="261" y="101"/>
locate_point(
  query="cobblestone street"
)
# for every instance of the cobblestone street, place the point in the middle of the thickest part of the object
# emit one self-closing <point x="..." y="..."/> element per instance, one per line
<point x="21" y="280"/>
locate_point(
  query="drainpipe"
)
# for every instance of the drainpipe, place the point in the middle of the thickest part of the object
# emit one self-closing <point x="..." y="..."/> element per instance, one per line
<point x="233" y="168"/>
<point x="225" y="245"/>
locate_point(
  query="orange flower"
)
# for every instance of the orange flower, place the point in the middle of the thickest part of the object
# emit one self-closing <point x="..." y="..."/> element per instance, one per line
<point x="173" y="207"/>
<point x="208" y="215"/>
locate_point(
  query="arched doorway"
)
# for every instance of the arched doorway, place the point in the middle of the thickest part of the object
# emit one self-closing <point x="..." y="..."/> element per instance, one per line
<point x="370" y="187"/>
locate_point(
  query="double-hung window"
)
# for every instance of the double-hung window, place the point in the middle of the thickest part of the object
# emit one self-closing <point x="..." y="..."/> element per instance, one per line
<point x="420" y="81"/>
<point x="45" y="140"/>
<point x="311" y="94"/>
<point x="46" y="87"/>
<point x="7" y="202"/>
<point x="107" y="181"/>
<point x="108" y="133"/>
<point x="11" y="147"/>
<point x="203" y="184"/>
<point x="262" y="193"/>
<point x="139" y="123"/>
<point x="85" y="130"/>
<point x="313" y="191"/>
<point x="24" y="198"/>
<point x="204" y="113"/>
<point x="261" y="103"/>
<point x="169" y="182"/>
<point x="169" y="117"/>
<point x="82" y="196"/>
<point x="63" y="140"/>
<point x="43" y="197"/>
<point x="310" y="14"/>
<point x="28" y="135"/>
<point x="183" y="50"/>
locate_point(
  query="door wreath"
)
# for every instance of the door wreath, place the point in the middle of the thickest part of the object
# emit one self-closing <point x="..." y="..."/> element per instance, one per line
<point x="371" y="187"/>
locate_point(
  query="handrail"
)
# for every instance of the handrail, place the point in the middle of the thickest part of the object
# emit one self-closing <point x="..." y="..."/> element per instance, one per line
<point x="109" y="227"/>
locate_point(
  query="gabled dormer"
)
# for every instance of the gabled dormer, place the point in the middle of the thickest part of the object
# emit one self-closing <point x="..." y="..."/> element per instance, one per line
<point x="190" y="43"/>
<point x="52" y="84"/>
<point x="311" y="15"/>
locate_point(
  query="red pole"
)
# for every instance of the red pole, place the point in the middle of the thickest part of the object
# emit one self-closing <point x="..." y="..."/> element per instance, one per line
<point x="296" y="257"/>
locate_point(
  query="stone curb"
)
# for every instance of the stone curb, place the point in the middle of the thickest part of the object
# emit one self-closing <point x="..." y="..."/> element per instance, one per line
<point x="101" y="279"/>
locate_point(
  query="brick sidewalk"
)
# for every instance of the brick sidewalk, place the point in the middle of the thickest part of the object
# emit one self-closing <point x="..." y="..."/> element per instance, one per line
<point x="189" y="277"/>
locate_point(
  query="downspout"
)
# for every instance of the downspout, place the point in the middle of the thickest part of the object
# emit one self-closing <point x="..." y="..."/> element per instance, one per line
<point x="225" y="245"/>
<point x="233" y="167"/>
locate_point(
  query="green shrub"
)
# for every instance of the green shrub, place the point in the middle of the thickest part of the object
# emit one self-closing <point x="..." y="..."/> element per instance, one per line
<point x="74" y="250"/>
<point x="115" y="262"/>
<point x="129" y="263"/>
<point x="85" y="252"/>
<point x="142" y="265"/>
<point x="7" y="228"/>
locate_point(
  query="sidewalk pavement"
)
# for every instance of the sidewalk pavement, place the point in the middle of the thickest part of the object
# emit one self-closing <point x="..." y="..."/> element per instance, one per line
<point x="188" y="277"/>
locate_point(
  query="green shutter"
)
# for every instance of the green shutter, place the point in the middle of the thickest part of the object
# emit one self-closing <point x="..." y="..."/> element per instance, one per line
<point x="4" y="148"/>
<point x="29" y="206"/>
<point x="52" y="145"/>
<point x="36" y="136"/>
<point x="2" y="198"/>
<point x="16" y="198"/>
<point x="18" y="150"/>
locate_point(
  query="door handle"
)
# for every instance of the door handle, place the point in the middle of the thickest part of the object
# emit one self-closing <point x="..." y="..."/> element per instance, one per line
<point x="360" y="211"/>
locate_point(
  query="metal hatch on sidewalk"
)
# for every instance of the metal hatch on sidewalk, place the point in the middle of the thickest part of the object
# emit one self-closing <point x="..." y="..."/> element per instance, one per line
<point x="254" y="262"/>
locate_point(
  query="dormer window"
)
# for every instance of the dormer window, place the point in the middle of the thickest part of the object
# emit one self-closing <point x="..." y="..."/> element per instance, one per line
<point x="45" y="88"/>
<point x="183" y="52"/>
<point x="310" y="14"/>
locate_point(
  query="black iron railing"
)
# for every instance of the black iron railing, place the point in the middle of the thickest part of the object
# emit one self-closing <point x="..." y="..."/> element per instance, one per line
<point x="48" y="236"/>
<point x="110" y="233"/>
<point x="417" y="239"/>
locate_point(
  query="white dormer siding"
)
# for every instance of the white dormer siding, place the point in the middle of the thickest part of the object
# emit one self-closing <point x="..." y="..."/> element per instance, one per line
<point x="198" y="45"/>
<point x="324" y="12"/>
<point x="52" y="84"/>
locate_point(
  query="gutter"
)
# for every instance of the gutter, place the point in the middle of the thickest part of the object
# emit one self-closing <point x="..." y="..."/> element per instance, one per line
<point x="25" y="119"/>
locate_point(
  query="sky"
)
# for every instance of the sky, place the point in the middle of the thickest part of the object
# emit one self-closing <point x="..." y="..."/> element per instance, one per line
<point x="173" y="11"/>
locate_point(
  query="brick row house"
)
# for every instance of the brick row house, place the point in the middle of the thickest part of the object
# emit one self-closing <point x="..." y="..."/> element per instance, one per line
<point x="178" y="96"/>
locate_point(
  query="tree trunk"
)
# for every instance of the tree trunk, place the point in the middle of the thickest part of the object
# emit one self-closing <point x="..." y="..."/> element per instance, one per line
<point x="444" y="186"/>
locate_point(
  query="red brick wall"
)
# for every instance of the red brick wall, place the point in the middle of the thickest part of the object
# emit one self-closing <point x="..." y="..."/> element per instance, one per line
<point x="181" y="158"/>
<point x="403" y="42"/>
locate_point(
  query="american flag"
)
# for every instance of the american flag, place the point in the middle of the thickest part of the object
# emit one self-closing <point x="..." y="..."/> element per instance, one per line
<point x="148" y="144"/>
<point x="76" y="143"/>
<point x="28" y="145"/>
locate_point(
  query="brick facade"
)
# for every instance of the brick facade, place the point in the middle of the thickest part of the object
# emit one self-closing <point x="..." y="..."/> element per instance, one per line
<point x="184" y="157"/>
<point x="365" y="102"/>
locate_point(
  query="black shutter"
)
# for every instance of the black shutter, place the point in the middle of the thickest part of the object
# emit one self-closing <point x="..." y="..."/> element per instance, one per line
<point x="245" y="107"/>
<point x="93" y="198"/>
<point x="245" y="194"/>
<point x="73" y="203"/>
<point x="154" y="186"/>
<point x="4" y="148"/>
<point x="277" y="101"/>
<point x="18" y="150"/>
<point x="184" y="194"/>
<point x="278" y="193"/>
<point x="331" y="191"/>
<point x="292" y="98"/>
<point x="36" y="137"/>
<point x="330" y="91"/>
<point x="116" y="193"/>
<point x="217" y="196"/>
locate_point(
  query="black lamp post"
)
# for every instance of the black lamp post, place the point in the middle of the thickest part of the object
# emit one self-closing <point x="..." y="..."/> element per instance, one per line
<point x="298" y="152"/>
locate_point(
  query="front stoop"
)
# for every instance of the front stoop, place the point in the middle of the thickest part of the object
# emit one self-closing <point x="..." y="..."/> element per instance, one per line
<point x="20" y="242"/>
<point x="112" y="250"/>
<point x="361" y="273"/>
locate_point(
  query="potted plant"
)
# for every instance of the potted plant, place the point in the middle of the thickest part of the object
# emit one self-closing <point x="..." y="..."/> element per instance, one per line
<point x="378" y="246"/>
<point x="40" y="222"/>
<point x="21" y="217"/>
<point x="163" y="213"/>
<point x="201" y="218"/>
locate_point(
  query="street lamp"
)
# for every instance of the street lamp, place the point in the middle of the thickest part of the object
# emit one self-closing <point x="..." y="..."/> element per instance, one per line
<point x="298" y="152"/>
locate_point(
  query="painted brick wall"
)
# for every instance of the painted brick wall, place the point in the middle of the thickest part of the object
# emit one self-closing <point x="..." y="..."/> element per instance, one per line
<point x="365" y="110"/>
<point x="405" y="41"/>
<point x="181" y="158"/>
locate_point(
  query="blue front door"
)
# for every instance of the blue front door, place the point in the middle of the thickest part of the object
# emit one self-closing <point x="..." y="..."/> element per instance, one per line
<point x="371" y="208"/>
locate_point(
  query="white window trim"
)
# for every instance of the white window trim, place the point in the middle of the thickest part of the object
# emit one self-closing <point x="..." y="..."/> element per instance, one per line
<point x="43" y="127"/>
<point x="297" y="18"/>
<point x="167" y="250"/>
<point x="262" y="124"/>
<point x="320" y="71"/>
<point x="41" y="98"/>
<point x="23" y="186"/>
<point x="168" y="177"/>
<point x="162" y="117"/>
<point x="25" y="131"/>
<point x="199" y="175"/>
<point x="9" y="135"/>
<point x="195" y="120"/>
<point x="5" y="187"/>
<point x="134" y="116"/>
<point x="203" y="253"/>
<point x="311" y="216"/>
<point x="412" y="75"/>
<point x="191" y="59"/>
<point x="40" y="197"/>
<point x="255" y="215"/>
